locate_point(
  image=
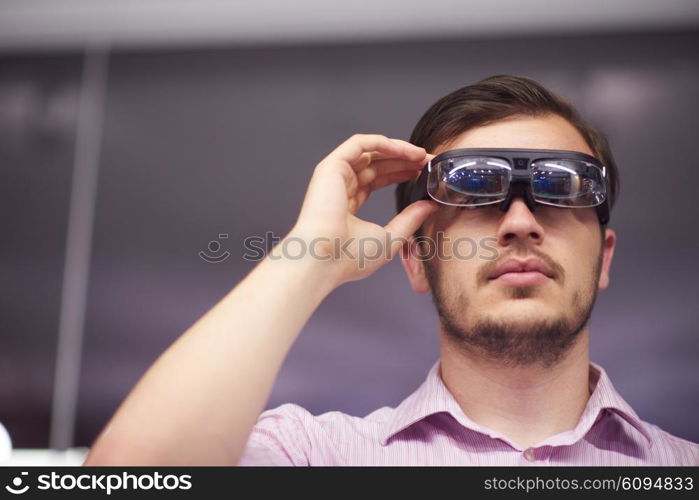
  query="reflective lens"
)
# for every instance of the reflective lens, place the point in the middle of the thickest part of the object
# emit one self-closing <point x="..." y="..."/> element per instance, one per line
<point x="567" y="183"/>
<point x="484" y="180"/>
<point x="469" y="181"/>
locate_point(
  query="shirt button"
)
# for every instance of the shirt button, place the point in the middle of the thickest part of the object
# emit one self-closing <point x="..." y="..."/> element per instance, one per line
<point x="529" y="454"/>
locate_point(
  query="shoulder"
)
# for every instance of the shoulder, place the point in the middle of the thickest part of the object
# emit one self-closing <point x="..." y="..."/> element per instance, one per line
<point x="332" y="422"/>
<point x="291" y="435"/>
<point x="671" y="449"/>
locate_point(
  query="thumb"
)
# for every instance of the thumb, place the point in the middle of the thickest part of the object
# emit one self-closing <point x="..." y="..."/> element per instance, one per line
<point x="403" y="225"/>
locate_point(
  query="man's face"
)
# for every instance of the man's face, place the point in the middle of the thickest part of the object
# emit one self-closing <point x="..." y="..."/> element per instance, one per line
<point x="510" y="318"/>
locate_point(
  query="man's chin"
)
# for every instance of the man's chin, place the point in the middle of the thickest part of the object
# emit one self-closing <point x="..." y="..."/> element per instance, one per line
<point x="516" y="338"/>
<point x="521" y="324"/>
<point x="525" y="314"/>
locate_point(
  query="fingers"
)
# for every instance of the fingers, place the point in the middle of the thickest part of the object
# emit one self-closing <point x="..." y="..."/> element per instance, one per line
<point x="382" y="167"/>
<point x="387" y="179"/>
<point x="365" y="162"/>
<point x="383" y="173"/>
<point x="353" y="150"/>
<point x="406" y="223"/>
<point x="361" y="195"/>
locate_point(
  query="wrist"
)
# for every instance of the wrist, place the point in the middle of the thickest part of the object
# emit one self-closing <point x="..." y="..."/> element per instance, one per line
<point x="307" y="258"/>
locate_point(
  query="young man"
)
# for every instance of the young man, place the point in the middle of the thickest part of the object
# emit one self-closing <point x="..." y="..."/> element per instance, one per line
<point x="512" y="167"/>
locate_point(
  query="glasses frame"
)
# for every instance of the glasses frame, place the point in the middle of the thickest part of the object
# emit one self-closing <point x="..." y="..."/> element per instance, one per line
<point x="520" y="161"/>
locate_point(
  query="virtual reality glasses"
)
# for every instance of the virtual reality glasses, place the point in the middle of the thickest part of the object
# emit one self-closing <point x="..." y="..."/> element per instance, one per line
<point x="479" y="177"/>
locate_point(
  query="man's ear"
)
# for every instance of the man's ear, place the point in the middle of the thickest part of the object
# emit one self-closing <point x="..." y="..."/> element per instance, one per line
<point x="607" y="254"/>
<point x="414" y="266"/>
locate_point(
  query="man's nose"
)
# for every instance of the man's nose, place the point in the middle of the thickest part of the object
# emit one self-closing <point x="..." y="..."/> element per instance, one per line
<point x="518" y="224"/>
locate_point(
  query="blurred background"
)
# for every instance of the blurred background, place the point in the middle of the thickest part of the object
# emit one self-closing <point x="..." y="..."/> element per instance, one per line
<point x="142" y="140"/>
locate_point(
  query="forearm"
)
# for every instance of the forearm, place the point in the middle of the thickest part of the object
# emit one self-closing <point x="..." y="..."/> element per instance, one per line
<point x="200" y="400"/>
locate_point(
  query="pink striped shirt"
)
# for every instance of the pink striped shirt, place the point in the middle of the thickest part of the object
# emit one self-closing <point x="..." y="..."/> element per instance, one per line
<point x="430" y="428"/>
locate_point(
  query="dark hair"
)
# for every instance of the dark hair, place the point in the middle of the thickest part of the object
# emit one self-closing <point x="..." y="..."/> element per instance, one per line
<point x="493" y="99"/>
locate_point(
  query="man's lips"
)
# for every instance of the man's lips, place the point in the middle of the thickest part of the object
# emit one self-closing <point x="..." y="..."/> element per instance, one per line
<point x="528" y="272"/>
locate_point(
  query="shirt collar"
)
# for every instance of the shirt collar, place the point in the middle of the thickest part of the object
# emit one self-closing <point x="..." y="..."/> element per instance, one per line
<point x="605" y="397"/>
<point x="433" y="397"/>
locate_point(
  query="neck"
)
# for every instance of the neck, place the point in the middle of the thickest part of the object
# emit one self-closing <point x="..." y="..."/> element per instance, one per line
<point x="527" y="404"/>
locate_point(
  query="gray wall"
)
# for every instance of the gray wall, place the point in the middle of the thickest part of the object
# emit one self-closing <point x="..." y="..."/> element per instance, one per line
<point x="202" y="142"/>
<point x="38" y="112"/>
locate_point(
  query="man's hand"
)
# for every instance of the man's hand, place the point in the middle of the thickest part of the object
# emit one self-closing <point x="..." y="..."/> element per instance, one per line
<point x="340" y="184"/>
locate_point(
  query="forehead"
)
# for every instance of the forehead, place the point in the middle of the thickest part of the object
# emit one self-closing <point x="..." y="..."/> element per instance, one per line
<point x="535" y="132"/>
